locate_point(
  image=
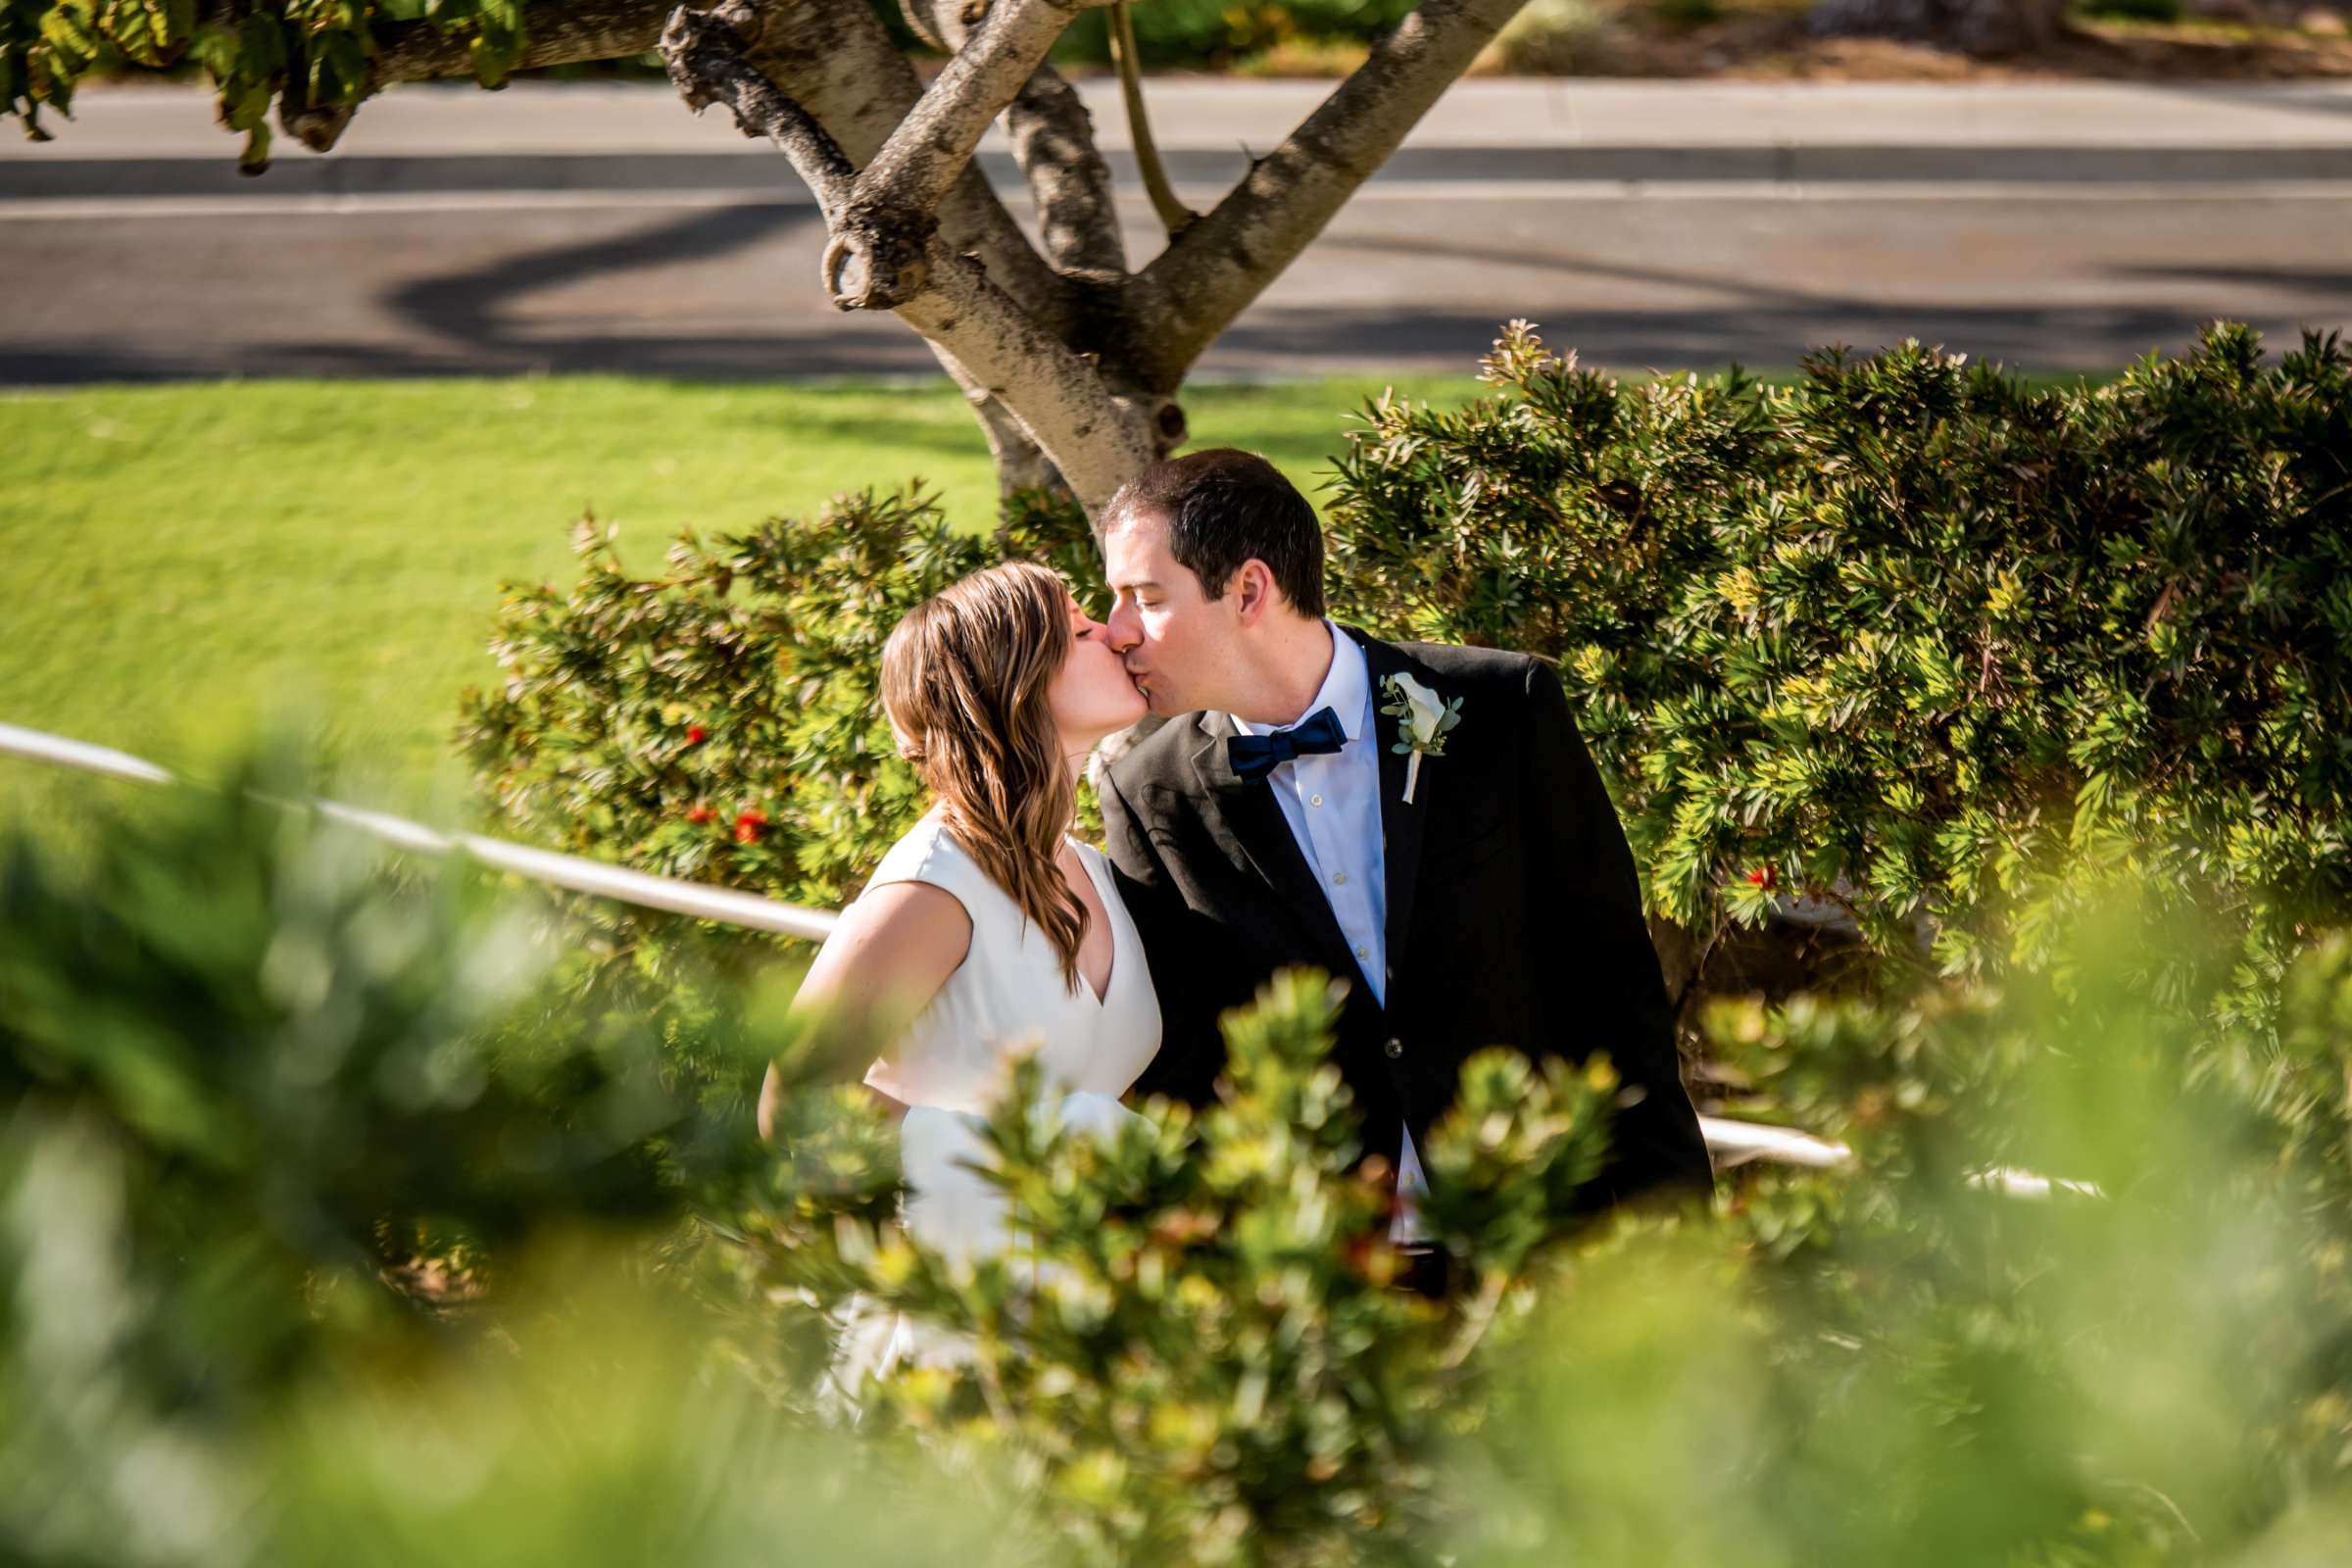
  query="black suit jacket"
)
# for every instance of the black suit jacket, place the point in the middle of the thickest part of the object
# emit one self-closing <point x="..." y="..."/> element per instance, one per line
<point x="1513" y="913"/>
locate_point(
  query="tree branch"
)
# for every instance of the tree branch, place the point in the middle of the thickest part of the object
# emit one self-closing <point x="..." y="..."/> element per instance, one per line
<point x="559" y="34"/>
<point x="1210" y="272"/>
<point x="1096" y="441"/>
<point x="1053" y="137"/>
<point x="876" y="258"/>
<point x="934" y="142"/>
<point x="837" y="62"/>
<point x="1174" y="216"/>
<point x="833" y="59"/>
<point x="707" y="66"/>
<point x="990" y="343"/>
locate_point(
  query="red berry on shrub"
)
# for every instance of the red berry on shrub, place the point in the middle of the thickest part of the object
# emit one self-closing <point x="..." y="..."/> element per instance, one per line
<point x="749" y="826"/>
<point x="700" y="811"/>
<point x="1764" y="876"/>
<point x="696" y="734"/>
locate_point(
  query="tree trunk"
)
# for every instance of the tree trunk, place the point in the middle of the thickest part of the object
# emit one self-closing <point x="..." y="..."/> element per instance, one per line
<point x="1973" y="26"/>
<point x="1071" y="359"/>
<point x="1022" y="464"/>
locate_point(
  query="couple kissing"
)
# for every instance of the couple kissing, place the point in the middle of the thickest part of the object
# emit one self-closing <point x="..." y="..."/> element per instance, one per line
<point x="1422" y="821"/>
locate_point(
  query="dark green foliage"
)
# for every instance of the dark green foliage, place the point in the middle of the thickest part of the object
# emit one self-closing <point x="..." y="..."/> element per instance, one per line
<point x="247" y="1066"/>
<point x="1216" y="32"/>
<point x="302" y="55"/>
<point x="2153" y="1365"/>
<point x="722" y="722"/>
<point x="2133" y="10"/>
<point x="1907" y="636"/>
<point x="1194" y="1350"/>
<point x="306" y="1071"/>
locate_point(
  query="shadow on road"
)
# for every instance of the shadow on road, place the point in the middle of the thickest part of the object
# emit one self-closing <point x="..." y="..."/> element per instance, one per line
<point x="469" y="310"/>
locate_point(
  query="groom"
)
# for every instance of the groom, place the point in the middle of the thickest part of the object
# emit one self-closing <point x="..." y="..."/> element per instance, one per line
<point x="1269" y="827"/>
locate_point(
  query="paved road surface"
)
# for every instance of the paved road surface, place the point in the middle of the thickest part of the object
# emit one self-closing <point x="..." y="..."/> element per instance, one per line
<point x="1643" y="224"/>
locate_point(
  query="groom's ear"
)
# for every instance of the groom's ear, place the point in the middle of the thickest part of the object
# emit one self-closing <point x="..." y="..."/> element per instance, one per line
<point x="1254" y="595"/>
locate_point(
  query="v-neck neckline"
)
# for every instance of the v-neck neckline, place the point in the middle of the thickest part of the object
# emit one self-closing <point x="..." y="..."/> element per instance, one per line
<point x="1110" y="976"/>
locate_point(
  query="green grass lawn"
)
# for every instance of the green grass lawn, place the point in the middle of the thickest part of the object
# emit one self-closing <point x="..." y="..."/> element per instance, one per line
<point x="182" y="561"/>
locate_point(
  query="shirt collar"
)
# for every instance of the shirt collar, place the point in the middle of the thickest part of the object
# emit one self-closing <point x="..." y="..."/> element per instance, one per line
<point x="1346" y="690"/>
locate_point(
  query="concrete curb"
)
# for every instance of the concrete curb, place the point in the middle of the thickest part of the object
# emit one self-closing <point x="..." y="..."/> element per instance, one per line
<point x="1821" y="169"/>
<point x="446" y="118"/>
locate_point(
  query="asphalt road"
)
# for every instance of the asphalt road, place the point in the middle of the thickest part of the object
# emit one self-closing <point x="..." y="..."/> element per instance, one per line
<point x="2038" y="253"/>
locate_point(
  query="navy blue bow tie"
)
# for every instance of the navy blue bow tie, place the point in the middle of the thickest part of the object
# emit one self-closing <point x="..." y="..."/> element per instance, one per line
<point x="1256" y="756"/>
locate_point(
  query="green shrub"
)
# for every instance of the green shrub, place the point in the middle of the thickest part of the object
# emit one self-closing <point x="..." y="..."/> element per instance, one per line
<point x="1906" y="641"/>
<point x="1908" y="637"/>
<point x="1195" y="1352"/>
<point x="306" y="1101"/>
<point x="720" y="723"/>
<point x="1909" y="1358"/>
<point x="2153" y="1363"/>
<point x="238" y="1058"/>
<point x="1218" y="32"/>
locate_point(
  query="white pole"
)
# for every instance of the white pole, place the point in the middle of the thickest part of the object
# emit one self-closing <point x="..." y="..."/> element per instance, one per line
<point x="696" y="899"/>
<point x="1731" y="1143"/>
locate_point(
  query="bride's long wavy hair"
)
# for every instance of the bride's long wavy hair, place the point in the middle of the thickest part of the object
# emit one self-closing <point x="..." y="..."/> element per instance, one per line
<point x="966" y="677"/>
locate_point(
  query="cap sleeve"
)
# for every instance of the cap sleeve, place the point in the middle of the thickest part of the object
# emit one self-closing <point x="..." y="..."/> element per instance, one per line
<point x="929" y="854"/>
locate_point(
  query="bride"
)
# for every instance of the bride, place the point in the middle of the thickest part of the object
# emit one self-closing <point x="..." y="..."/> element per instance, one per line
<point x="988" y="930"/>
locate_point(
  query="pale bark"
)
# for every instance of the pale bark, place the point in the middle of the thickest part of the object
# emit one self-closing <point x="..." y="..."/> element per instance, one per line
<point x="898" y="261"/>
<point x="934" y="142"/>
<point x="1071" y="363"/>
<point x="1097" y="441"/>
<point x="1053" y="138"/>
<point x="1174" y="216"/>
<point x="1021" y="463"/>
<point x="708" y="64"/>
<point x="1211" y="272"/>
<point x="559" y="34"/>
<point x="837" y="62"/>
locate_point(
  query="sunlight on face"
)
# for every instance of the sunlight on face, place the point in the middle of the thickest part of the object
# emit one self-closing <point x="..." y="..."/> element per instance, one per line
<point x="1171" y="634"/>
<point x="1091" y="695"/>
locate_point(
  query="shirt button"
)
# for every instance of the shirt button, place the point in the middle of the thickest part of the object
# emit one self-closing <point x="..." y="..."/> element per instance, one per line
<point x="1314" y="800"/>
<point x="1394" y="1047"/>
<point x="1363" y="953"/>
<point x="1339" y="879"/>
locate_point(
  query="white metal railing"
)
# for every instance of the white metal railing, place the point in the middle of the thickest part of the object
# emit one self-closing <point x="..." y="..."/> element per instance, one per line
<point x="1731" y="1143"/>
<point x="696" y="898"/>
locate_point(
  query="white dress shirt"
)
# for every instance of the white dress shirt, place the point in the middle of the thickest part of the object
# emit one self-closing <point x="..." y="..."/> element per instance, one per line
<point x="1332" y="803"/>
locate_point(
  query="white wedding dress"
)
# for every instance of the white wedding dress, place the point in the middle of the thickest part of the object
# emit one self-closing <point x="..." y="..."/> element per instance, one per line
<point x="952" y="1067"/>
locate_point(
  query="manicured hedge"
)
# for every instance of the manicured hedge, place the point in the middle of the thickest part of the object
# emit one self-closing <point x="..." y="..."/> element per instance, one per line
<point x="1908" y="635"/>
<point x="1906" y="640"/>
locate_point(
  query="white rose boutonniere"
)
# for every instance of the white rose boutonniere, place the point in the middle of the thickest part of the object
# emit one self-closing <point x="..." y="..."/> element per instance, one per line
<point x="1423" y="719"/>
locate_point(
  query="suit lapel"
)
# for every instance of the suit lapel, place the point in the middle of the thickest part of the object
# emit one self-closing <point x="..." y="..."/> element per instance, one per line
<point x="1401" y="825"/>
<point x="1246" y="810"/>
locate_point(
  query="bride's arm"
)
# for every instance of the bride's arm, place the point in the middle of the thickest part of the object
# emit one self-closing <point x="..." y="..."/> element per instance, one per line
<point x="892" y="950"/>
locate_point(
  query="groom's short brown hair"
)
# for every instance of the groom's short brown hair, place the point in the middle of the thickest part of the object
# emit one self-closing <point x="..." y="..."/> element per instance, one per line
<point x="1222" y="507"/>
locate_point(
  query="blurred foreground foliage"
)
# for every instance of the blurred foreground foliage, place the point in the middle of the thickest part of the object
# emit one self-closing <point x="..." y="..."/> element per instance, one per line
<point x="338" y="1221"/>
<point x="313" y="60"/>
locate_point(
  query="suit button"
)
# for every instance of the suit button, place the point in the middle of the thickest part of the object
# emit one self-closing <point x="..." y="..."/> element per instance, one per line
<point x="1394" y="1047"/>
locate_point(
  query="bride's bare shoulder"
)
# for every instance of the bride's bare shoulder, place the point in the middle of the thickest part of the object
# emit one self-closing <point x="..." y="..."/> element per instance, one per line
<point x="895" y="947"/>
